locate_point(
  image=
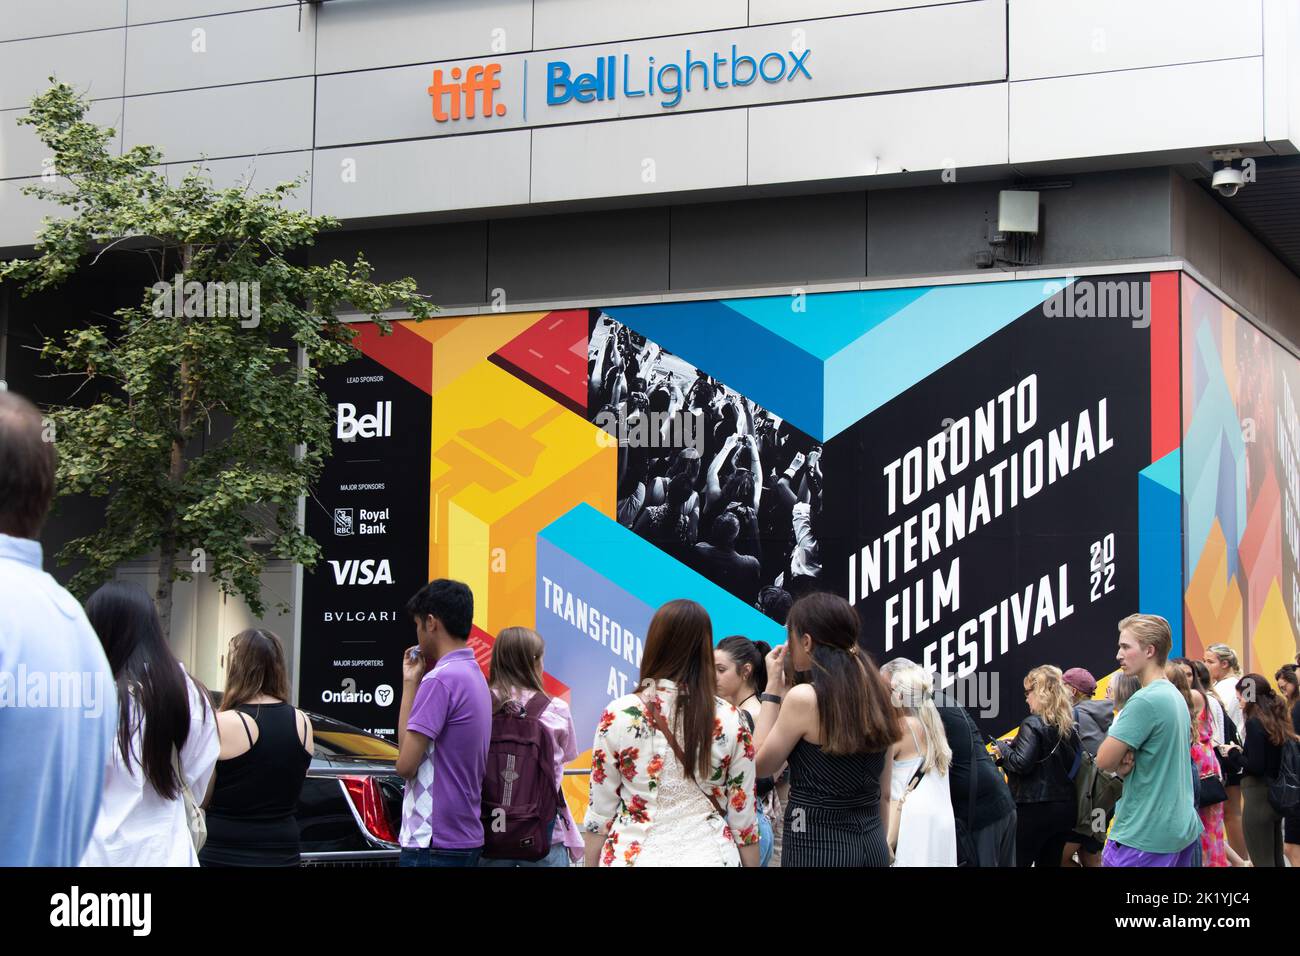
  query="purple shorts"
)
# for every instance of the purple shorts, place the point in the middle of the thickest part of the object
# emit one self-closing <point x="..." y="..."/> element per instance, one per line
<point x="1117" y="854"/>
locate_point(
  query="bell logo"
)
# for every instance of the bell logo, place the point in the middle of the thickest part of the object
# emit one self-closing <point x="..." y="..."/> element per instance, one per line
<point x="368" y="571"/>
<point x="478" y="79"/>
<point x="378" y="425"/>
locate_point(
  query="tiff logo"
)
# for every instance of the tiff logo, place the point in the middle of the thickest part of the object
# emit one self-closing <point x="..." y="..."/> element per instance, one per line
<point x="479" y="83"/>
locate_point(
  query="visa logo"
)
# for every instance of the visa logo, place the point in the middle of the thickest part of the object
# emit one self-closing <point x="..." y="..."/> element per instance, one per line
<point x="368" y="571"/>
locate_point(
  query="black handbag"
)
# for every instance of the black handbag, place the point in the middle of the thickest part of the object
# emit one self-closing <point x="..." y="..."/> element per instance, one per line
<point x="1212" y="790"/>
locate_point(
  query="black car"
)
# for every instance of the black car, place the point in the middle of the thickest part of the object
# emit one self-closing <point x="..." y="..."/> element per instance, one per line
<point x="350" y="811"/>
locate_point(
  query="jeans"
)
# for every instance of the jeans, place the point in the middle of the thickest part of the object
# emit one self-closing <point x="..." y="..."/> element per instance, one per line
<point x="428" y="856"/>
<point x="559" y="856"/>
<point x="766" y="841"/>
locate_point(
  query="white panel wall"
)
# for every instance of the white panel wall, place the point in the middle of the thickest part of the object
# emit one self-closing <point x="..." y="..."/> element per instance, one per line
<point x="572" y="22"/>
<point x="150" y="11"/>
<point x="430" y="175"/>
<point x="344" y="113"/>
<point x="930" y="46"/>
<point x="1088" y="78"/>
<point x="1063" y="37"/>
<point x="871" y="135"/>
<point x="360" y="34"/>
<point x="223" y="120"/>
<point x="1282" y="74"/>
<point x="22" y="154"/>
<point x="22" y="18"/>
<point x="780" y="11"/>
<point x="660" y="154"/>
<point x="1172" y="107"/>
<point x="91" y="62"/>
<point x="20" y="216"/>
<point x="242" y="48"/>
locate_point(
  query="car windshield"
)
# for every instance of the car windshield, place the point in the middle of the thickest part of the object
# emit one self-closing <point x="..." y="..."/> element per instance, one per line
<point x="339" y="740"/>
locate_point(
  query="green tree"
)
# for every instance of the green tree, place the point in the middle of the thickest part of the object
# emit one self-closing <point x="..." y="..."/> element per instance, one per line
<point x="169" y="372"/>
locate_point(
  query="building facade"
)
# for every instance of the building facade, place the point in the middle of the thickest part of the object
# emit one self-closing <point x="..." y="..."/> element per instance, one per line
<point x="764" y="189"/>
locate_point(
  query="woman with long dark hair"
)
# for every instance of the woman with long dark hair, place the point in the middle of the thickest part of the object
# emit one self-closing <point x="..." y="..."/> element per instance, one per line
<point x="266" y="747"/>
<point x="515" y="679"/>
<point x="1268" y="727"/>
<point x="741" y="670"/>
<point x="166" y="738"/>
<point x="1288" y="685"/>
<point x="837" y="729"/>
<point x="672" y="766"/>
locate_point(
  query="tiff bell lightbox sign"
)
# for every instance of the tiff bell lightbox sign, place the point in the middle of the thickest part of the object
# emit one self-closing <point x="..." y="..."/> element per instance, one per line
<point x="813" y="59"/>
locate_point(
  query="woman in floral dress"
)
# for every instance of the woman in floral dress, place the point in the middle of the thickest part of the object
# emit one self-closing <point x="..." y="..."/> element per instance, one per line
<point x="647" y="807"/>
<point x="1213" y="837"/>
<point x="1214" y="846"/>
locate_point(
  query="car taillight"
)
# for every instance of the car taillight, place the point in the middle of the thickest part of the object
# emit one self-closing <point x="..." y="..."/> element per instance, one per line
<point x="368" y="799"/>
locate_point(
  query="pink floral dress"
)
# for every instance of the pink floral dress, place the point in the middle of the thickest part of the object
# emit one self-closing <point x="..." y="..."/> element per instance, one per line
<point x="1213" y="840"/>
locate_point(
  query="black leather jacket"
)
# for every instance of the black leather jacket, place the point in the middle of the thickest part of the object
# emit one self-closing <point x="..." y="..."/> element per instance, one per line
<point x="1038" y="762"/>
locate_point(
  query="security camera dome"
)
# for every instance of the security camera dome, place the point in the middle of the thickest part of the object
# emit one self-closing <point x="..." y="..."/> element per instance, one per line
<point x="1228" y="181"/>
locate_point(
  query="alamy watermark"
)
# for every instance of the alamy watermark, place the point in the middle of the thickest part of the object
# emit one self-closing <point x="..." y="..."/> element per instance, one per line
<point x="196" y="300"/>
<point x="646" y="429"/>
<point x="133" y="911"/>
<point x="81" y="690"/>
<point x="1090" y="299"/>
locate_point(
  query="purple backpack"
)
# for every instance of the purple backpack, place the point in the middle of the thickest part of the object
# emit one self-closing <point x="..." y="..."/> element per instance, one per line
<point x="520" y="797"/>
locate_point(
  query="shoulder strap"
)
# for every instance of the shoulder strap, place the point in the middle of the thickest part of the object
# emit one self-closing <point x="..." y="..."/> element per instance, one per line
<point x="974" y="742"/>
<point x="664" y="729"/>
<point x="536" y="705"/>
<point x="1078" y="756"/>
<point x="243" y="720"/>
<point x="917" y="744"/>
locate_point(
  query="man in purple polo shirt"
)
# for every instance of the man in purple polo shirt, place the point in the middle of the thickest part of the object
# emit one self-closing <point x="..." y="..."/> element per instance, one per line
<point x="443" y="731"/>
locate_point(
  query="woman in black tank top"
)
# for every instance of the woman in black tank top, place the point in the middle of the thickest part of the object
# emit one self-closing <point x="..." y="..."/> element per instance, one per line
<point x="266" y="752"/>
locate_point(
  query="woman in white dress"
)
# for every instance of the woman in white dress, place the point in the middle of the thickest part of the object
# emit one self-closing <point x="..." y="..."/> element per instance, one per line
<point x="672" y="766"/>
<point x="162" y="714"/>
<point x="927" y="831"/>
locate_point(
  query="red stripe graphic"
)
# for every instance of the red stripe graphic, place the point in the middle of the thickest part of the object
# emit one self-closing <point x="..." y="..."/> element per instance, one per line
<point x="1163" y="305"/>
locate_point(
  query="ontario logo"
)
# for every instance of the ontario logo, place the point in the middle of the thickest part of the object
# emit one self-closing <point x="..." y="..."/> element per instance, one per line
<point x="467" y="92"/>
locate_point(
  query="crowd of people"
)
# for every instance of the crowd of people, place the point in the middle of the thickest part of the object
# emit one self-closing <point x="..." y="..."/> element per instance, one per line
<point x="709" y="477"/>
<point x="726" y="754"/>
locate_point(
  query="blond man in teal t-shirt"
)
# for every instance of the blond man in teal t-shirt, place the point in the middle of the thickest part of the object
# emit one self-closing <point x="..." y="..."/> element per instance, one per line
<point x="1156" y="823"/>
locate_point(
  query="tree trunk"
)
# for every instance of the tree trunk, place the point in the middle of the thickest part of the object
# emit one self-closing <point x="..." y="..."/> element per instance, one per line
<point x="175" y="473"/>
<point x="163" y="594"/>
